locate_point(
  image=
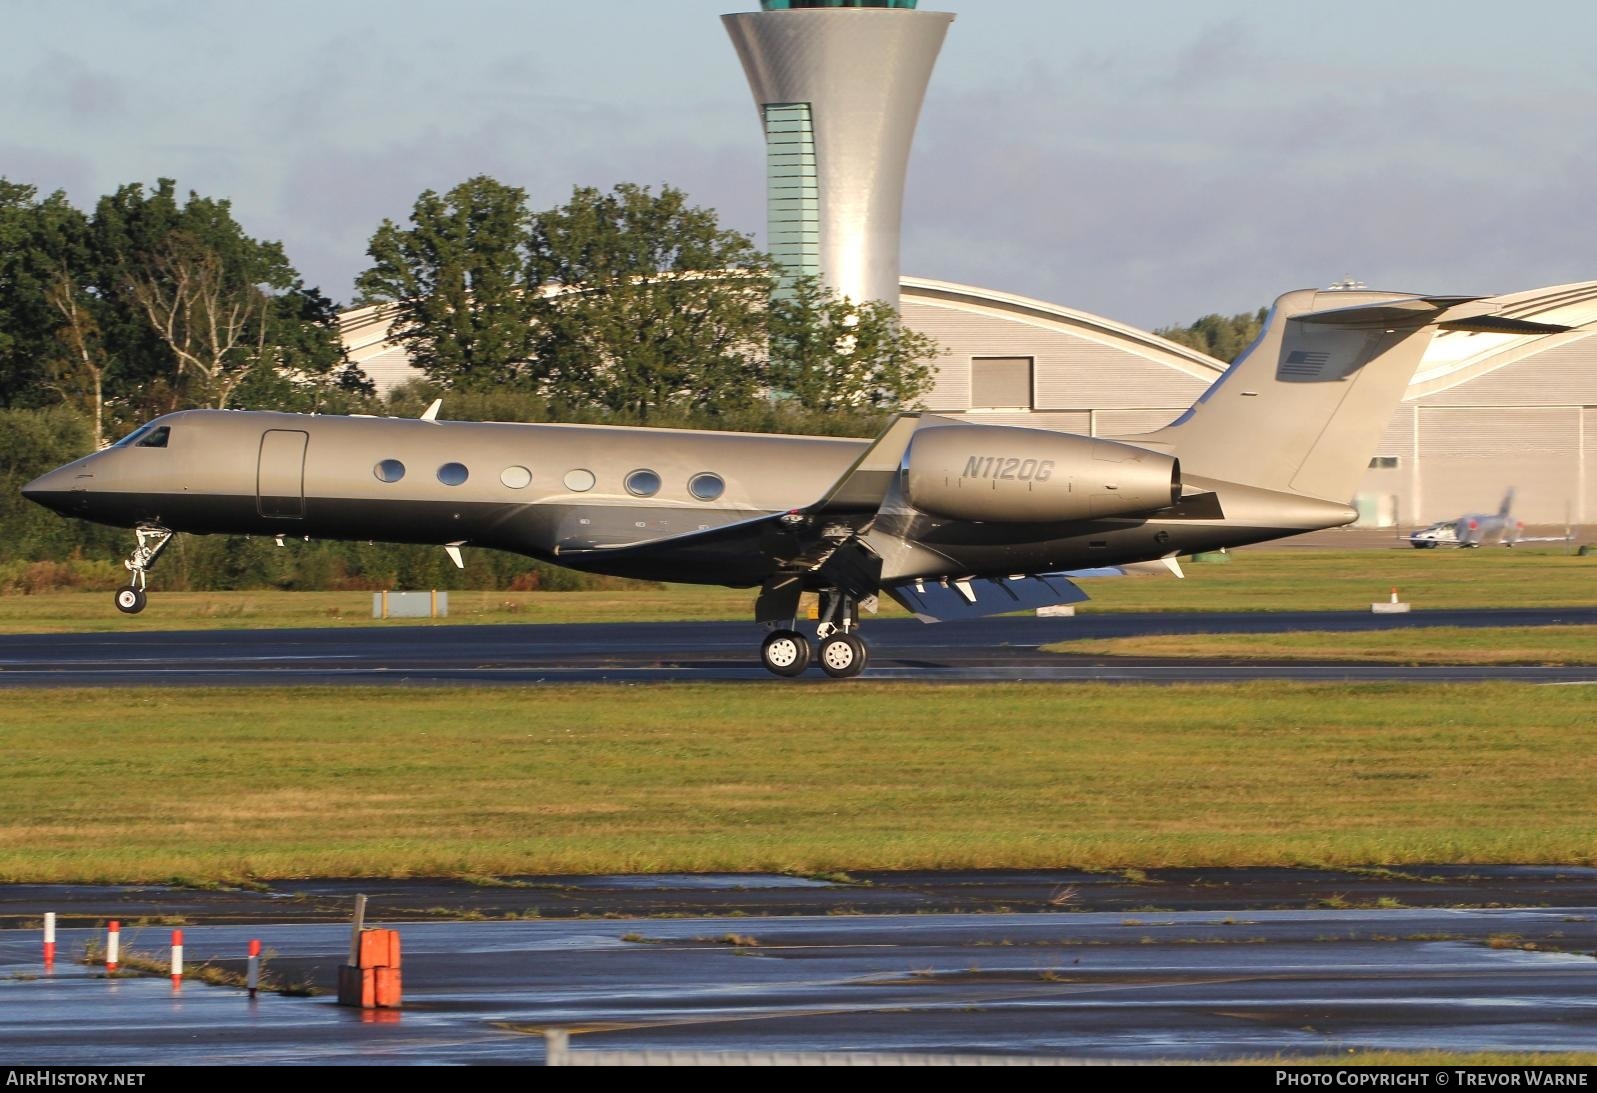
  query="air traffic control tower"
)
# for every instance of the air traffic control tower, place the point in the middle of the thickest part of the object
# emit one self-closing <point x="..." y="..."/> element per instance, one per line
<point x="839" y="85"/>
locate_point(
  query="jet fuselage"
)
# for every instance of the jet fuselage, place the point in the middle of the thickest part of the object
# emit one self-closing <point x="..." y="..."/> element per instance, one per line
<point x="595" y="497"/>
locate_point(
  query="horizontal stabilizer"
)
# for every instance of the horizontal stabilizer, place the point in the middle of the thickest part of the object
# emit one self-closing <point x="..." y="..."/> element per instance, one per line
<point x="948" y="600"/>
<point x="1502" y="324"/>
<point x="1410" y="311"/>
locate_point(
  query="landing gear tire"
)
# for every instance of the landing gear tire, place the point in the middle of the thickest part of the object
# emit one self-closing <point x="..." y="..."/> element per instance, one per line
<point x="130" y="600"/>
<point x="785" y="653"/>
<point x="843" y="656"/>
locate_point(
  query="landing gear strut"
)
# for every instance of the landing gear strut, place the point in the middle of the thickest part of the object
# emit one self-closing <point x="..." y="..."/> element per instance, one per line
<point x="131" y="597"/>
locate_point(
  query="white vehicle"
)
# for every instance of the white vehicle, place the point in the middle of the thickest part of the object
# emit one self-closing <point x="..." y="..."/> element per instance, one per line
<point x="1435" y="535"/>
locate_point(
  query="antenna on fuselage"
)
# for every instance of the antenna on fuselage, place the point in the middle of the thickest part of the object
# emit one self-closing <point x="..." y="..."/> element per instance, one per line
<point x="431" y="413"/>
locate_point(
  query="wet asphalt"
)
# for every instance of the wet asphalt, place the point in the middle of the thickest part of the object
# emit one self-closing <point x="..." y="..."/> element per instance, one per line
<point x="1168" y="966"/>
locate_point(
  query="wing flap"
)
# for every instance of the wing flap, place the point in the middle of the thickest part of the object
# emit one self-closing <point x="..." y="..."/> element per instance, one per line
<point x="949" y="600"/>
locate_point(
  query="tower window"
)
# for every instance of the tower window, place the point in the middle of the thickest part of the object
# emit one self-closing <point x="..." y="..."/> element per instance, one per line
<point x="793" y="198"/>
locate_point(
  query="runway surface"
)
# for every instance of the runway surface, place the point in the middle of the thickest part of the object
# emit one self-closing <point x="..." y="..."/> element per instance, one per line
<point x="989" y="649"/>
<point x="1185" y="977"/>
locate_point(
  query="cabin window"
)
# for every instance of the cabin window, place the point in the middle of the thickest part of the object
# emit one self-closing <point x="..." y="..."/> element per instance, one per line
<point x="1384" y="463"/>
<point x="389" y="470"/>
<point x="580" y="480"/>
<point x="156" y="439"/>
<point x="706" y="487"/>
<point x="1001" y="383"/>
<point x="643" y="483"/>
<point x="517" y="478"/>
<point x="453" y="474"/>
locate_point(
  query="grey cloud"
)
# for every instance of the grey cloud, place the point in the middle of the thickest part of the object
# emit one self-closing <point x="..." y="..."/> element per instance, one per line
<point x="63" y="85"/>
<point x="1154" y="207"/>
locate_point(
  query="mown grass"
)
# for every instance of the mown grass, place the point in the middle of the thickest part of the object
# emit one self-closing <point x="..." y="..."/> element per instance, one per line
<point x="1253" y="580"/>
<point x="219" y="784"/>
<point x="1428" y="645"/>
<point x="64" y="612"/>
<point x="1265" y="579"/>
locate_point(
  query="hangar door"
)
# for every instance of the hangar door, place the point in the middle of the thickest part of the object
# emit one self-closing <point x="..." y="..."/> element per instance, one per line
<point x="280" y="479"/>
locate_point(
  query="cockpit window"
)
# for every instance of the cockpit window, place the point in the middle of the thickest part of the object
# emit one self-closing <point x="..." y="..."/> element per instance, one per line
<point x="133" y="437"/>
<point x="156" y="439"/>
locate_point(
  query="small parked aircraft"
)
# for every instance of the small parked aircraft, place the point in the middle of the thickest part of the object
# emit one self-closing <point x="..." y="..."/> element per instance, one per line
<point x="951" y="519"/>
<point x="1473" y="528"/>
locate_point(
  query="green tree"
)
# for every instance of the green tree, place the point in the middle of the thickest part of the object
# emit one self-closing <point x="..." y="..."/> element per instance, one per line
<point x="202" y="306"/>
<point x="1221" y="337"/>
<point x="651" y="307"/>
<point x="829" y="353"/>
<point x="33" y="441"/>
<point x="457" y="281"/>
<point x="42" y="242"/>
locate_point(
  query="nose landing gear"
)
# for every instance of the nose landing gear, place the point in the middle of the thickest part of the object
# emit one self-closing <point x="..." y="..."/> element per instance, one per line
<point x="131" y="597"/>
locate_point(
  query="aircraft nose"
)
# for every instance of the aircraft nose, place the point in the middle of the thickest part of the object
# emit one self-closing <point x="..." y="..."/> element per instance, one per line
<point x="60" y="489"/>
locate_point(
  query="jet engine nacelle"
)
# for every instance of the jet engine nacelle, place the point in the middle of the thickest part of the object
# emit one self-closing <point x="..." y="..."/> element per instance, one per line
<point x="999" y="474"/>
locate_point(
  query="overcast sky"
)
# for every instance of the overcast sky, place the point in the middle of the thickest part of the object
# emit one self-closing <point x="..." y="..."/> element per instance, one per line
<point x="1150" y="162"/>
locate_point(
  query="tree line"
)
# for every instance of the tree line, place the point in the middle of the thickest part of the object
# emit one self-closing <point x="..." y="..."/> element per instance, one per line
<point x="1222" y="337"/>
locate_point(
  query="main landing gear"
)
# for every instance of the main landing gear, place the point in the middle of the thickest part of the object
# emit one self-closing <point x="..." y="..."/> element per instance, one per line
<point x="131" y="597"/>
<point x="842" y="654"/>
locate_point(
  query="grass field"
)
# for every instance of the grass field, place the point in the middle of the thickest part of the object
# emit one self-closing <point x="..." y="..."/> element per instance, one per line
<point x="1253" y="580"/>
<point x="1431" y="645"/>
<point x="215" y="784"/>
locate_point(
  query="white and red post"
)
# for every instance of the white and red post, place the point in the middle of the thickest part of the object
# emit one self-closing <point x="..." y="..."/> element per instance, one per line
<point x="113" y="944"/>
<point x="252" y="977"/>
<point x="49" y="939"/>
<point x="177" y="959"/>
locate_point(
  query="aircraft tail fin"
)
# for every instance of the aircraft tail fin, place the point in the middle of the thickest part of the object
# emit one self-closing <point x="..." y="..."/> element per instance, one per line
<point x="1508" y="502"/>
<point x="1302" y="410"/>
